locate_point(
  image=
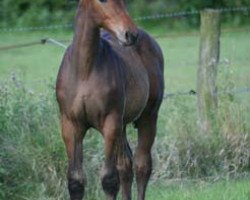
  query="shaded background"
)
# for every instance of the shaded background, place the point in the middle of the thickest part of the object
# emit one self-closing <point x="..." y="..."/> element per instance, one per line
<point x="43" y="12"/>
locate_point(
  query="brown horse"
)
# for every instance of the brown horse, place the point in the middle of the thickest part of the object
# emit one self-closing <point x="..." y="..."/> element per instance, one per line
<point x="105" y="82"/>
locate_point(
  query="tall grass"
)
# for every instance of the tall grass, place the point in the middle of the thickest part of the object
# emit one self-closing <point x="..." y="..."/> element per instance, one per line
<point x="32" y="157"/>
<point x="33" y="160"/>
<point x="180" y="151"/>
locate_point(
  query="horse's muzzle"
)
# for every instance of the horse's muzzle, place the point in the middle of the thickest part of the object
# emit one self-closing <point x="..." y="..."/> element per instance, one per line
<point x="131" y="38"/>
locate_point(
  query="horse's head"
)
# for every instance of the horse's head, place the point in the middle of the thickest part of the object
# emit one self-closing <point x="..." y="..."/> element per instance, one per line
<point x="112" y="16"/>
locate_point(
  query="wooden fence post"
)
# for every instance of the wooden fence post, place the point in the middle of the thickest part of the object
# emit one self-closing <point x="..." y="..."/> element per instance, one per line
<point x="207" y="70"/>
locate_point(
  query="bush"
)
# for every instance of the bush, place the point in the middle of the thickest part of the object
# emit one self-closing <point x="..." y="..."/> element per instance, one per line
<point x="34" y="13"/>
<point x="45" y="12"/>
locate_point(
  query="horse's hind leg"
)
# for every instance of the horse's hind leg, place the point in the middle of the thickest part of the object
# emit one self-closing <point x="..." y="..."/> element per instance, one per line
<point x="73" y="134"/>
<point x="124" y="165"/>
<point x="112" y="130"/>
<point x="142" y="159"/>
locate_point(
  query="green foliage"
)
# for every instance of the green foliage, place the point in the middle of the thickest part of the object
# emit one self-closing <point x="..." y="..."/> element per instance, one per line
<point x="44" y="12"/>
<point x="34" y="13"/>
<point x="146" y="7"/>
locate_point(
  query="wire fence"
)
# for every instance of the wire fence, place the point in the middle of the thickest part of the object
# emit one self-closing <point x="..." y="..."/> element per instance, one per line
<point x="43" y="41"/>
<point x="141" y="18"/>
<point x="37" y="28"/>
<point x="194" y="93"/>
<point x="189" y="13"/>
<point x="62" y="43"/>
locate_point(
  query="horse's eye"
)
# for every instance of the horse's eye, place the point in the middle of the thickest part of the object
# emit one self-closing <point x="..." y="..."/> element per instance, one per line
<point x="103" y="1"/>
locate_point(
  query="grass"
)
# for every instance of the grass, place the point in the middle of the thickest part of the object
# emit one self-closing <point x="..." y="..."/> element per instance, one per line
<point x="181" y="54"/>
<point x="34" y="64"/>
<point x="32" y="156"/>
<point x="222" y="190"/>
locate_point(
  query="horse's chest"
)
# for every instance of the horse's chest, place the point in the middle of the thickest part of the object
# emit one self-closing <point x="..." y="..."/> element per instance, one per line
<point x="94" y="100"/>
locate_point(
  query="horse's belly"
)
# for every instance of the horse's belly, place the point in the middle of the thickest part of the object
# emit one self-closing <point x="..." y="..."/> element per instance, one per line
<point x="133" y="112"/>
<point x="136" y="101"/>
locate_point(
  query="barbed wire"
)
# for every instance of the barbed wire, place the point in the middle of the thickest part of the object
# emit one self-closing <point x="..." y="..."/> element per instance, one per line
<point x="188" y="13"/>
<point x="167" y="15"/>
<point x="60" y="43"/>
<point x="189" y="93"/>
<point x="197" y="33"/>
<point x="141" y="18"/>
<point x="37" y="28"/>
<point x="194" y="93"/>
<point x="57" y="43"/>
<point x="235" y="9"/>
<point x="41" y="41"/>
<point x="17" y="46"/>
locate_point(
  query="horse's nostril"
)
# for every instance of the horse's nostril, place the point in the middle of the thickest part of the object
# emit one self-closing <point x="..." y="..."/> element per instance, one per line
<point x="131" y="37"/>
<point x="127" y="35"/>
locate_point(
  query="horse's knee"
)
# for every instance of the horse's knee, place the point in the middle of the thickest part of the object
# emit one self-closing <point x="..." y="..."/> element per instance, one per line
<point x="110" y="183"/>
<point x="76" y="186"/>
<point x="143" y="165"/>
<point x="125" y="167"/>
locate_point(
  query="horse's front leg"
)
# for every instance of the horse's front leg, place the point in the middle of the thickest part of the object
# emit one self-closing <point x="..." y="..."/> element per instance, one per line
<point x="112" y="130"/>
<point x="73" y="134"/>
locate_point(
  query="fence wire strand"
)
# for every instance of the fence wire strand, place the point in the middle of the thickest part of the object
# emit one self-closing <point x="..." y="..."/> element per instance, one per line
<point x="188" y="13"/>
<point x="42" y="41"/>
<point x="60" y="43"/>
<point x="142" y="18"/>
<point x="194" y="93"/>
<point x="37" y="28"/>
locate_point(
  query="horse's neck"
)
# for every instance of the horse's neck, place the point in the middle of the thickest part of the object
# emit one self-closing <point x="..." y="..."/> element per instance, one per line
<point x="85" y="44"/>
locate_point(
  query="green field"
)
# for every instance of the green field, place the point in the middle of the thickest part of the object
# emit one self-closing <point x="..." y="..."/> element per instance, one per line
<point x="223" y="190"/>
<point x="41" y="62"/>
<point x="32" y="156"/>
